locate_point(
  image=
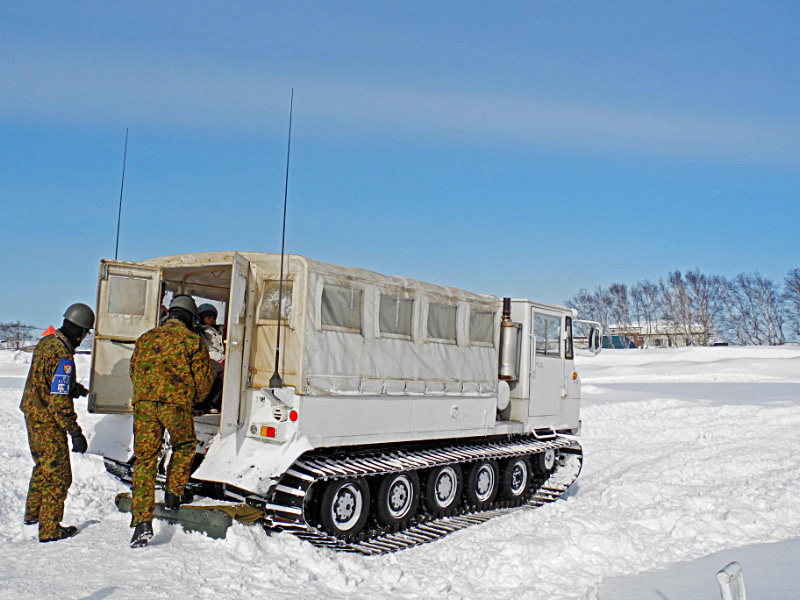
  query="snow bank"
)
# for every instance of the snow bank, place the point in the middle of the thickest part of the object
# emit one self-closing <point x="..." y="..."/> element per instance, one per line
<point x="670" y="475"/>
<point x="725" y="364"/>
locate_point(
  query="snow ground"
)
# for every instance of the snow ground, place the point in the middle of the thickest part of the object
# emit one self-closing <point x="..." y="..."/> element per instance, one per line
<point x="690" y="462"/>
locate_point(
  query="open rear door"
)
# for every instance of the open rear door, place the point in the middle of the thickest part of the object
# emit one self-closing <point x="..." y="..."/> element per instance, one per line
<point x="237" y="352"/>
<point x="128" y="296"/>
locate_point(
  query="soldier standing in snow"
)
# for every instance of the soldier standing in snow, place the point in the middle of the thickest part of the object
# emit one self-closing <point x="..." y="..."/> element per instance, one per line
<point x="47" y="403"/>
<point x="170" y="370"/>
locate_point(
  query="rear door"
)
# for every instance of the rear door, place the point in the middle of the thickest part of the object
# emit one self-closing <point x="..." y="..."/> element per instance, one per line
<point x="547" y="364"/>
<point x="128" y="297"/>
<point x="237" y="351"/>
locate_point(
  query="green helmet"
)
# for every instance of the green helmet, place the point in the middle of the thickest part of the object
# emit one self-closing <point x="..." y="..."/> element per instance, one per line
<point x="185" y="302"/>
<point x="207" y="308"/>
<point x="80" y="314"/>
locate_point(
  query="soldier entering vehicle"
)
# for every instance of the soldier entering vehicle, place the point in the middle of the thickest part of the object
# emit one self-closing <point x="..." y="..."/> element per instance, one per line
<point x="49" y="409"/>
<point x="212" y="337"/>
<point x="170" y="370"/>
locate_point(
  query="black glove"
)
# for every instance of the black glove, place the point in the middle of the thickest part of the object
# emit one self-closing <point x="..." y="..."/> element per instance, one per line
<point x="79" y="443"/>
<point x="78" y="391"/>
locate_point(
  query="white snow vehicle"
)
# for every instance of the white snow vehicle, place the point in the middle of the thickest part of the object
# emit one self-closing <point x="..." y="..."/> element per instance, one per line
<point x="407" y="410"/>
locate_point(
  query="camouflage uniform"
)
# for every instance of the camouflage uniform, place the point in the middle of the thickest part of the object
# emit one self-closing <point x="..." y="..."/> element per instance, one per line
<point x="49" y="415"/>
<point x="170" y="370"/>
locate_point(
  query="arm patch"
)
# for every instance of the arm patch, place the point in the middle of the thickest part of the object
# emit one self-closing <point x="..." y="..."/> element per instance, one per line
<point x="62" y="380"/>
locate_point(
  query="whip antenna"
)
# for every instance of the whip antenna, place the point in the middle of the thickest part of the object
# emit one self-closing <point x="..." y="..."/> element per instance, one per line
<point x="121" y="187"/>
<point x="275" y="381"/>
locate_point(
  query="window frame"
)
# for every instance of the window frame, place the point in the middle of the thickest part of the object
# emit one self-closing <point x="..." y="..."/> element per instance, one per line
<point x="481" y="309"/>
<point x="569" y="344"/>
<point x="547" y="342"/>
<point x="393" y="335"/>
<point x="427" y="337"/>
<point x="288" y="320"/>
<point x="342" y="328"/>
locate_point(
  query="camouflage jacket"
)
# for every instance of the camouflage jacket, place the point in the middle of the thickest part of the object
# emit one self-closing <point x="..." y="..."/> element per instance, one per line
<point x="51" y="384"/>
<point x="170" y="364"/>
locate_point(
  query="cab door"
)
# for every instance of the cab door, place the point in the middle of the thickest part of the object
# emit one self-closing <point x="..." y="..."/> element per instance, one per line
<point x="128" y="296"/>
<point x="547" y="364"/>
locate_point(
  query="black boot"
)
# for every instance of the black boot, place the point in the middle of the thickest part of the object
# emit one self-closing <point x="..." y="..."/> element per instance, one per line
<point x="173" y="501"/>
<point x="31" y="521"/>
<point x="61" y="533"/>
<point x="142" y="534"/>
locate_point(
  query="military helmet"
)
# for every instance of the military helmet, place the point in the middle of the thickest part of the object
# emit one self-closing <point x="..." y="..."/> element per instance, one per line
<point x="80" y="314"/>
<point x="207" y="308"/>
<point x="185" y="302"/>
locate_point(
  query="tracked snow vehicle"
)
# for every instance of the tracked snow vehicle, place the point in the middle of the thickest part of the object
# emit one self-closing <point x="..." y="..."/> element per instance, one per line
<point x="407" y="410"/>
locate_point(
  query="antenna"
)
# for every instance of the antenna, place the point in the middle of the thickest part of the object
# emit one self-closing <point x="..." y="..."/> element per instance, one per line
<point x="275" y="381"/>
<point x="121" y="187"/>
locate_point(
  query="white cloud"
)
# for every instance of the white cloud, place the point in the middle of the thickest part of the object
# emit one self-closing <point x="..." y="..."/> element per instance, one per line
<point x="225" y="97"/>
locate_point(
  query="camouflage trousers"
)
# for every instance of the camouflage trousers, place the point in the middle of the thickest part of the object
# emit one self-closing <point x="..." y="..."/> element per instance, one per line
<point x="52" y="475"/>
<point x="150" y="419"/>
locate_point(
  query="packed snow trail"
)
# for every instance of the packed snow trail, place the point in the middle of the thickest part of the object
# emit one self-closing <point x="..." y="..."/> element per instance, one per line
<point x="668" y="476"/>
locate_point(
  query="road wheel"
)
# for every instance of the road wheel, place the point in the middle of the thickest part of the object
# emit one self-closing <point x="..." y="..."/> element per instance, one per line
<point x="443" y="488"/>
<point x="481" y="485"/>
<point x="344" y="506"/>
<point x="516" y="475"/>
<point x="397" y="498"/>
<point x="543" y="462"/>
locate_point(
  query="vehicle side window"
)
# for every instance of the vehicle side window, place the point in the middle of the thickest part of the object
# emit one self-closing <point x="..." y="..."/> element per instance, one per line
<point x="127" y="295"/>
<point x="442" y="323"/>
<point x="481" y="327"/>
<point x="269" y="300"/>
<point x="395" y="316"/>
<point x="340" y="308"/>
<point x="568" y="348"/>
<point x="547" y="330"/>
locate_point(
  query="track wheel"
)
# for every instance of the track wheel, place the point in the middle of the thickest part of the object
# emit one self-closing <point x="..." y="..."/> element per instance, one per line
<point x="344" y="506"/>
<point x="543" y="462"/>
<point x="515" y="477"/>
<point x="443" y="488"/>
<point x="398" y="497"/>
<point x="481" y="485"/>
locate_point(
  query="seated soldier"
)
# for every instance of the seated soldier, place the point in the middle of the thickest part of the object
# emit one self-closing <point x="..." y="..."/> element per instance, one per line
<point x="210" y="334"/>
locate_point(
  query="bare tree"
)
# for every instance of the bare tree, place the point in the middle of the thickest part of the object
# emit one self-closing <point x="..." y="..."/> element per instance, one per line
<point x="596" y="306"/>
<point x="677" y="305"/>
<point x="753" y="310"/>
<point x="620" y="309"/>
<point x="791" y="296"/>
<point x="583" y="303"/>
<point x="14" y="335"/>
<point x="647" y="305"/>
<point x="704" y="297"/>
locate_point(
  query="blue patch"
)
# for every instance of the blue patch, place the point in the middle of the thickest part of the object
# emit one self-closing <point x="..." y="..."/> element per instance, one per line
<point x="62" y="380"/>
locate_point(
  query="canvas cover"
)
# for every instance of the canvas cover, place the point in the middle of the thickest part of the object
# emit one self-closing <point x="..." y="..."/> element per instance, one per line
<point x="349" y="330"/>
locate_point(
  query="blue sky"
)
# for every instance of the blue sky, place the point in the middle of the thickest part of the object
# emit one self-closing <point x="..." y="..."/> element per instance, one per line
<point x="523" y="149"/>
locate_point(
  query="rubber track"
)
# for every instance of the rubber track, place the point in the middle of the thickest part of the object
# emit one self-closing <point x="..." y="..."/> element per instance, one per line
<point x="285" y="510"/>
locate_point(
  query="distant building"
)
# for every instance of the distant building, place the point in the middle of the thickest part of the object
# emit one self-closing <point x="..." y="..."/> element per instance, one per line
<point x="654" y="334"/>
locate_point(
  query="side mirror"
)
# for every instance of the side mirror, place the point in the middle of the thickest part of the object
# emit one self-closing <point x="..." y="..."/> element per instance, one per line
<point x="594" y="340"/>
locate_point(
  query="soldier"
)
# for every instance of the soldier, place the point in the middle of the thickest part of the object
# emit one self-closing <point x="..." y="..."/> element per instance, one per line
<point x="212" y="337"/>
<point x="170" y="370"/>
<point x="47" y="403"/>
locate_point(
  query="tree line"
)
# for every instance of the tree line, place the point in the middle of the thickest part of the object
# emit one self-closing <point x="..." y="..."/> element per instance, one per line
<point x="747" y="309"/>
<point x="15" y="335"/>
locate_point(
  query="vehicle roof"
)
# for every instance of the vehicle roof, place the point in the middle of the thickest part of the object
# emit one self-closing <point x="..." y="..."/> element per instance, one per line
<point x="270" y="263"/>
